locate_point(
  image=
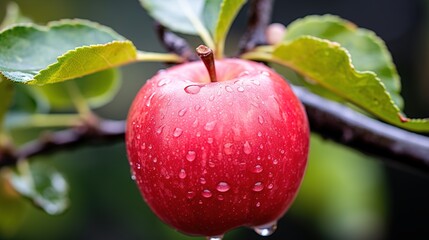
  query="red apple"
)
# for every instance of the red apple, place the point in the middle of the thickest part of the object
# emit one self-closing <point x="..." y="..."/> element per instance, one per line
<point x="212" y="156"/>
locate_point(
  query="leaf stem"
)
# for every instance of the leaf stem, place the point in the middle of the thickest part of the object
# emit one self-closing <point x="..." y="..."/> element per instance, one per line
<point x="206" y="55"/>
<point x="158" y="57"/>
<point x="79" y="101"/>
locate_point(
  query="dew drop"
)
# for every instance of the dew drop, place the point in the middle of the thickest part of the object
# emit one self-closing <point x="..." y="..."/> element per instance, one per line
<point x="240" y="89"/>
<point x="206" y="193"/>
<point x="245" y="73"/>
<point x="275" y="161"/>
<point x="220" y="197"/>
<point x="210" y="140"/>
<point x="258" y="204"/>
<point x="247" y="148"/>
<point x="210" y="125"/>
<point x="211" y="98"/>
<point x="195" y="123"/>
<point x="190" y="194"/>
<point x="182" y="112"/>
<point x="211" y="164"/>
<point x="177" y="132"/>
<point x="227" y="148"/>
<point x="155" y="160"/>
<point x="258" y="169"/>
<point x="203" y="181"/>
<point x="266" y="230"/>
<point x="133" y="176"/>
<point x="190" y="156"/>
<point x="192" y="89"/>
<point x="270" y="186"/>
<point x="163" y="81"/>
<point x="197" y="107"/>
<point x="182" y="174"/>
<point x="220" y="237"/>
<point x="228" y="89"/>
<point x="148" y="103"/>
<point x="258" y="187"/>
<point x="160" y="129"/>
<point x="256" y="82"/>
<point x="265" y="73"/>
<point x="259" y="134"/>
<point x="261" y="119"/>
<point x="223" y="187"/>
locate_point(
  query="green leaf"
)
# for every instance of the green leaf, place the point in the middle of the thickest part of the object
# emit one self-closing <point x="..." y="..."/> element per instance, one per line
<point x="61" y="51"/>
<point x="173" y="14"/>
<point x="43" y="185"/>
<point x="13" y="16"/>
<point x="211" y="14"/>
<point x="329" y="65"/>
<point x="6" y="93"/>
<point x="97" y="88"/>
<point x="185" y="16"/>
<point x="228" y="11"/>
<point x="367" y="51"/>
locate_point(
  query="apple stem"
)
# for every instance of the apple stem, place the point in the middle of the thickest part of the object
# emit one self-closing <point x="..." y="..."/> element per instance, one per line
<point x="207" y="56"/>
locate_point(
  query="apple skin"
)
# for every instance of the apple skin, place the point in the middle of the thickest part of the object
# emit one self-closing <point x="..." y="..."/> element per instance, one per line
<point x="212" y="156"/>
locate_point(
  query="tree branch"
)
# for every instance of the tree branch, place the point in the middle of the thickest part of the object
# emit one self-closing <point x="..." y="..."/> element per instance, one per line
<point x="259" y="19"/>
<point x="106" y="131"/>
<point x="174" y="43"/>
<point x="348" y="127"/>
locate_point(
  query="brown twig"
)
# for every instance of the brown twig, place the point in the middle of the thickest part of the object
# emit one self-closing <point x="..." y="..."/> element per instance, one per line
<point x="259" y="19"/>
<point x="105" y="132"/>
<point x="174" y="43"/>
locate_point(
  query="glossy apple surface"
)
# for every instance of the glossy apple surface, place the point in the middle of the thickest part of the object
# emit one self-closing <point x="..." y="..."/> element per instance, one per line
<point x="212" y="156"/>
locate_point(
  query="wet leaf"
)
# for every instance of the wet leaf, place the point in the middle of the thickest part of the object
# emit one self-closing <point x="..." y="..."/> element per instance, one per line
<point x="367" y="51"/>
<point x="329" y="65"/>
<point x="62" y="50"/>
<point x="43" y="185"/>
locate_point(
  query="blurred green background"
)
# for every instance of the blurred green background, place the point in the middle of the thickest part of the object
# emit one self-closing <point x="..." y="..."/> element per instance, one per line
<point x="345" y="194"/>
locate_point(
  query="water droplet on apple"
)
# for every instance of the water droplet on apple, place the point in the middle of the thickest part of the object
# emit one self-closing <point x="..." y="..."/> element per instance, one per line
<point x="240" y="89"/>
<point x="220" y="237"/>
<point x="160" y="129"/>
<point x="193" y="89"/>
<point x="212" y="97"/>
<point x="190" y="156"/>
<point x="259" y="134"/>
<point x="143" y="146"/>
<point x="210" y="140"/>
<point x="270" y="186"/>
<point x="265" y="73"/>
<point x="256" y="82"/>
<point x="223" y="187"/>
<point x="258" y="204"/>
<point x="258" y="168"/>
<point x="266" y="229"/>
<point x="227" y="148"/>
<point x="177" y="132"/>
<point x="261" y="119"/>
<point x="203" y="181"/>
<point x="245" y="73"/>
<point x="182" y="112"/>
<point x="220" y="197"/>
<point x="182" y="174"/>
<point x="206" y="193"/>
<point x="275" y="161"/>
<point x="163" y="81"/>
<point x="247" y="148"/>
<point x="210" y="125"/>
<point x="138" y="136"/>
<point x="228" y="89"/>
<point x="190" y="194"/>
<point x="197" y="107"/>
<point x="258" y="187"/>
<point x="155" y="160"/>
<point x="195" y="123"/>
<point x="150" y="99"/>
